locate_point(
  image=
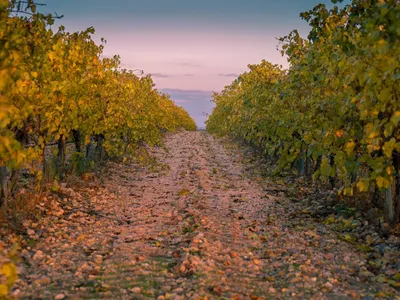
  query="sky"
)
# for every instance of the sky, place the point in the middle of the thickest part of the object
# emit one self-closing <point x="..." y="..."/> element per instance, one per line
<point x="191" y="48"/>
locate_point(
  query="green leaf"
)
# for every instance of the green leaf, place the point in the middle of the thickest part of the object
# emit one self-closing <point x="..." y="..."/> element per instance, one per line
<point x="388" y="147"/>
<point x="326" y="169"/>
<point x="384" y="95"/>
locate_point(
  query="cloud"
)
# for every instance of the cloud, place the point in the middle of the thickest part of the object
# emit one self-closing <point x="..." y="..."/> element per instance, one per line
<point x="187" y="64"/>
<point x="190" y="95"/>
<point x="229" y="75"/>
<point x="161" y="75"/>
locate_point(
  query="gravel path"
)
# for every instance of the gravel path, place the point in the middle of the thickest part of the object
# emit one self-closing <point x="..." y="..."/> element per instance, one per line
<point x="193" y="226"/>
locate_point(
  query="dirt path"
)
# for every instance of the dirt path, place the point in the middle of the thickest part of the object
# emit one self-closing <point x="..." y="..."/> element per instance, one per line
<point x="195" y="228"/>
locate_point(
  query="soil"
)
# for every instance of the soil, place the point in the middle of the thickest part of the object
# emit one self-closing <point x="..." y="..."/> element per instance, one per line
<point x="193" y="225"/>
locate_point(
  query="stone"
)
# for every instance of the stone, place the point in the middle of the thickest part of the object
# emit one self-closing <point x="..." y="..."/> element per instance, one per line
<point x="136" y="290"/>
<point x="38" y="255"/>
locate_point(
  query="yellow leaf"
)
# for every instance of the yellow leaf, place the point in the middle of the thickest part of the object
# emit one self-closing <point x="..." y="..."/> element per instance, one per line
<point x="3" y="5"/>
<point x="370" y="130"/>
<point x="373" y="134"/>
<point x="8" y="269"/>
<point x="183" y="192"/>
<point x="26" y="76"/>
<point x="382" y="182"/>
<point x="34" y="74"/>
<point x="363" y="185"/>
<point x="51" y="56"/>
<point x="389" y="170"/>
<point x="388" y="147"/>
<point x="348" y="191"/>
<point x="3" y="290"/>
<point x="374" y="113"/>
<point x="350" y="147"/>
<point x="395" y="119"/>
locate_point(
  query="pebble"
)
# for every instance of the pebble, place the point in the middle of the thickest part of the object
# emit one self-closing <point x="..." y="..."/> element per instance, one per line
<point x="166" y="288"/>
<point x="182" y="269"/>
<point x="38" y="255"/>
<point x="328" y="285"/>
<point x="234" y="254"/>
<point x="98" y="259"/>
<point x="60" y="297"/>
<point x="136" y="290"/>
<point x="44" y="280"/>
<point x="170" y="296"/>
<point x="16" y="293"/>
<point x="178" y="290"/>
<point x="329" y="256"/>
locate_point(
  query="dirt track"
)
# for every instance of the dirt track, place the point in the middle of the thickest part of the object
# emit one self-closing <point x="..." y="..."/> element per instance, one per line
<point x="195" y="226"/>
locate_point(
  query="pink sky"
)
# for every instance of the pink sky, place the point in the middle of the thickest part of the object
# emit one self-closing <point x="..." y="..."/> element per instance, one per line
<point x="201" y="61"/>
<point x="191" y="48"/>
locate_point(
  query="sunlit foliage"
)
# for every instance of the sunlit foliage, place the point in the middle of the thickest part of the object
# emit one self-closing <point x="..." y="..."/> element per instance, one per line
<point x="339" y="102"/>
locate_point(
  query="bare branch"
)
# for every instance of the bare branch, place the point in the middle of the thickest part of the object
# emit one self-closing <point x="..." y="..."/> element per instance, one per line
<point x="56" y="16"/>
<point x="22" y="12"/>
<point x="37" y="4"/>
<point x="28" y="4"/>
